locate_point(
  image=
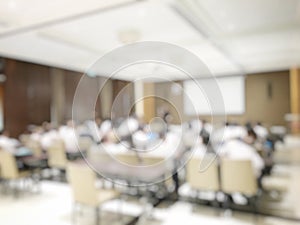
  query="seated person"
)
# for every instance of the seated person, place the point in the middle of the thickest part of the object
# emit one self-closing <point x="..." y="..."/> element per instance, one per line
<point x="48" y="138"/>
<point x="241" y="149"/>
<point x="199" y="149"/>
<point x="127" y="128"/>
<point x="261" y="131"/>
<point x="8" y="143"/>
<point x="68" y="135"/>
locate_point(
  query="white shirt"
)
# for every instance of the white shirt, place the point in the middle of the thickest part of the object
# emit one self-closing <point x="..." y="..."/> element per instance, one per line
<point x="197" y="125"/>
<point x="261" y="131"/>
<point x="128" y="126"/>
<point x="49" y="138"/>
<point x="191" y="138"/>
<point x="68" y="135"/>
<point x="227" y="133"/>
<point x="238" y="150"/>
<point x="140" y="139"/>
<point x="36" y="136"/>
<point x="8" y="143"/>
<point x="94" y="130"/>
<point x="105" y="127"/>
<point x="199" y="150"/>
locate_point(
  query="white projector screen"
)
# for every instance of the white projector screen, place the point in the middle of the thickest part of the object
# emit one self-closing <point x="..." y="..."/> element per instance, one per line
<point x="231" y="88"/>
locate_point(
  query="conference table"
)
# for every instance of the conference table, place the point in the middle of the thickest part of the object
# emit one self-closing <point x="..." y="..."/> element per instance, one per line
<point x="25" y="157"/>
<point x="130" y="175"/>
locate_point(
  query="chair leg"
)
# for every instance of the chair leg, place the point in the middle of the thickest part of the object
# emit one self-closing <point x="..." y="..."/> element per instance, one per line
<point x="120" y="215"/>
<point x="97" y="211"/>
<point x="74" y="213"/>
<point x="5" y="187"/>
<point x="253" y="202"/>
<point x="16" y="189"/>
<point x="226" y="202"/>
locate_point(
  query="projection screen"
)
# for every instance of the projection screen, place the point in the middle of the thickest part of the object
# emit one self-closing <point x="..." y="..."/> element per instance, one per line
<point x="232" y="89"/>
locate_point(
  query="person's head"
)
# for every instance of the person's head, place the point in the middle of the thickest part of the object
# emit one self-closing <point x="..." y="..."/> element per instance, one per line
<point x="70" y="123"/>
<point x="251" y="137"/>
<point x="248" y="126"/>
<point x="98" y="120"/>
<point x="46" y="126"/>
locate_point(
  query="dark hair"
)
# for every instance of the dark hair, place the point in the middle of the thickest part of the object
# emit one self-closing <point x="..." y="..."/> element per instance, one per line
<point x="252" y="133"/>
<point x="248" y="126"/>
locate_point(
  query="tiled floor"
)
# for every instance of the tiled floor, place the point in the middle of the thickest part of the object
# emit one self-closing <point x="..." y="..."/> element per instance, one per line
<point x="54" y="206"/>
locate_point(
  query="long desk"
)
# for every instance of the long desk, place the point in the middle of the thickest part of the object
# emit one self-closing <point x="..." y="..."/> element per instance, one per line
<point x="134" y="175"/>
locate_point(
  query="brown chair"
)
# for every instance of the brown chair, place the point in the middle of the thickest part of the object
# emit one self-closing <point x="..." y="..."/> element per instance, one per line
<point x="82" y="180"/>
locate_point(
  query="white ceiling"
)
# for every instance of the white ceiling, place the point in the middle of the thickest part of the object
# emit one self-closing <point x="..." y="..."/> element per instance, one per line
<point x="230" y="37"/>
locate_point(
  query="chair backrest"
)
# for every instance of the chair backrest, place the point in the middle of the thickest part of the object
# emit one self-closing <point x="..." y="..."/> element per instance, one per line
<point x="148" y="160"/>
<point x="128" y="158"/>
<point x="35" y="147"/>
<point x="8" y="165"/>
<point x="84" y="143"/>
<point x="82" y="180"/>
<point x="202" y="174"/>
<point x="24" y="138"/>
<point x="57" y="157"/>
<point x="152" y="160"/>
<point x="238" y="176"/>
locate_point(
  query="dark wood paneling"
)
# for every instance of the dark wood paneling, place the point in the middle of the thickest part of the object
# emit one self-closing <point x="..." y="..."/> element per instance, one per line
<point x="28" y="92"/>
<point x="91" y="87"/>
<point x="71" y="81"/>
<point x="123" y="98"/>
<point x="27" y="95"/>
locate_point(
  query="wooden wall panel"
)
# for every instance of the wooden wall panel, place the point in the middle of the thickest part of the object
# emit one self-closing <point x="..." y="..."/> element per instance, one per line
<point x="267" y="98"/>
<point x="71" y="81"/>
<point x="123" y="95"/>
<point x="295" y="98"/>
<point x="32" y="95"/>
<point x="27" y="95"/>
<point x="91" y="87"/>
<point x="295" y="90"/>
<point x="149" y="101"/>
